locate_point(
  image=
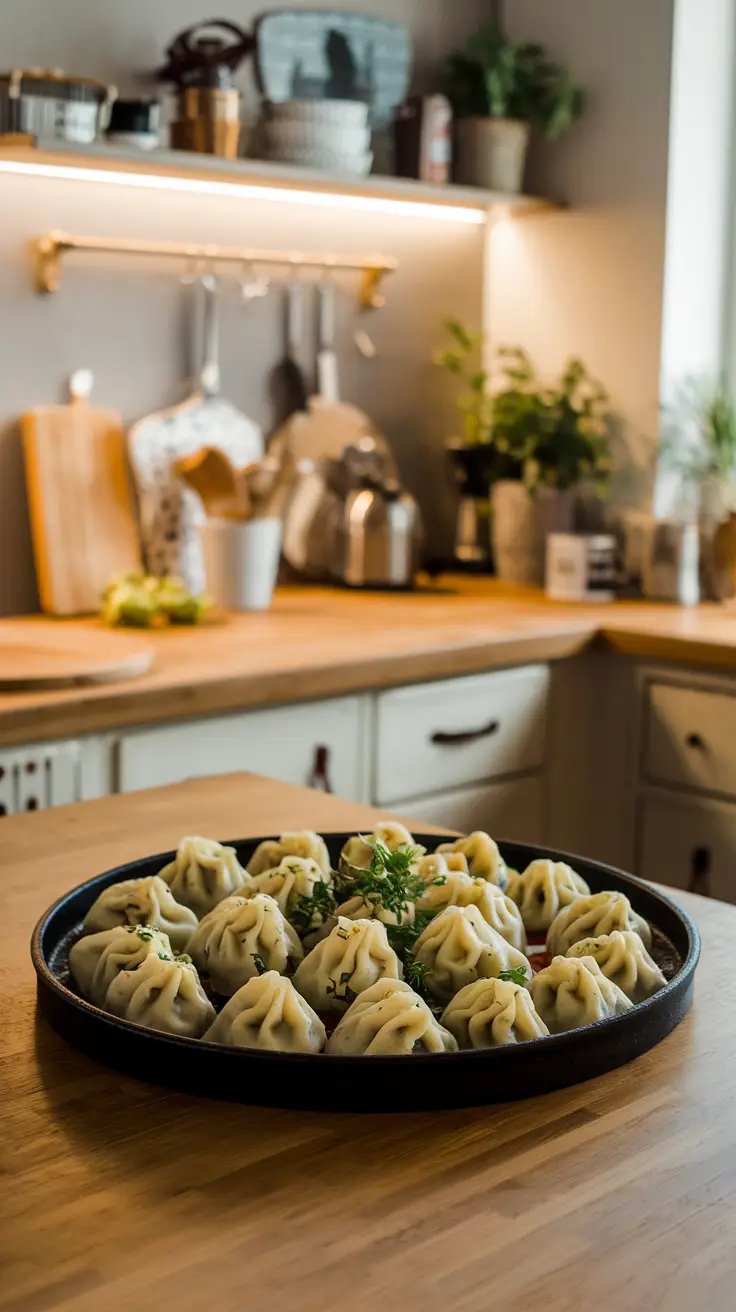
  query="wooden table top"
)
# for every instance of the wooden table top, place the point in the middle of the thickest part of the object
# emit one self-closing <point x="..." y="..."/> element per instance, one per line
<point x="619" y="1193"/>
<point x="325" y="642"/>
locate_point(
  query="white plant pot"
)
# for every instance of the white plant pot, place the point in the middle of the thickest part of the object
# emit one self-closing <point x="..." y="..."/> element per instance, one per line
<point x="491" y="153"/>
<point x="520" y="522"/>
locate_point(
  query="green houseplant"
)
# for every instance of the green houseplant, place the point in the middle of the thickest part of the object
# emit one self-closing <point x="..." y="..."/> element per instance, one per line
<point x="499" y="90"/>
<point x="537" y="442"/>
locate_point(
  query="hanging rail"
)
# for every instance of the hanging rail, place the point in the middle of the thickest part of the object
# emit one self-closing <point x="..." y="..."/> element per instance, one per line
<point x="51" y="247"/>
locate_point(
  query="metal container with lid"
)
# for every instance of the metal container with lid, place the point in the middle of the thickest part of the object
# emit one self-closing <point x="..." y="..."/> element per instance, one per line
<point x="47" y="103"/>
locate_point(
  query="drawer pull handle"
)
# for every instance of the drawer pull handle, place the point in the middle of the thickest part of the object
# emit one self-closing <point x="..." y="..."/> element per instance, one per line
<point x="696" y="742"/>
<point x="700" y="864"/>
<point x="441" y="739"/>
<point x="320" y="776"/>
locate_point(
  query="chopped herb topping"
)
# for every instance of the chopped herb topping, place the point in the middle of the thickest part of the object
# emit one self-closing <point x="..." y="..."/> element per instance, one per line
<point x="415" y="974"/>
<point x="260" y="964"/>
<point x="515" y="976"/>
<point x="313" y="909"/>
<point x="391" y="882"/>
<point x="342" y="991"/>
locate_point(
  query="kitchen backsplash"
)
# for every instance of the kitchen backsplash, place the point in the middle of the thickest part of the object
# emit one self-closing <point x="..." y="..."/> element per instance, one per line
<point x="133" y="328"/>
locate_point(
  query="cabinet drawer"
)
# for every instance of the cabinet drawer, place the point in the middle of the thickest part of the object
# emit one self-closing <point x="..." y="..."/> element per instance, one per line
<point x="689" y="844"/>
<point x="691" y="737"/>
<point x="282" y="742"/>
<point x="513" y="809"/>
<point x="442" y="735"/>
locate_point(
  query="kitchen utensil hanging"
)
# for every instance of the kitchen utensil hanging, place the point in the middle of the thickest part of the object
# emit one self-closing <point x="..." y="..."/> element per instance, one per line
<point x="287" y="383"/>
<point x="171" y="511"/>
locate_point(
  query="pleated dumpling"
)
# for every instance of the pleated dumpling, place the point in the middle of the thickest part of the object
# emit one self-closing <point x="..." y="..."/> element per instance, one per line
<point x="269" y="1014"/>
<point x="492" y="1012"/>
<point x="388" y="1020"/>
<point x="203" y="873"/>
<point x="435" y="865"/>
<point x="358" y="851"/>
<point x="460" y="890"/>
<point x="623" y="959"/>
<point x="459" y="947"/>
<point x="294" y="879"/>
<point x="304" y="843"/>
<point x="240" y="939"/>
<point x="147" y="901"/>
<point x="572" y="992"/>
<point x="543" y="890"/>
<point x="163" y="995"/>
<point x="96" y="959"/>
<point x="483" y="857"/>
<point x="360" y="908"/>
<point x="355" y="955"/>
<point x="589" y="917"/>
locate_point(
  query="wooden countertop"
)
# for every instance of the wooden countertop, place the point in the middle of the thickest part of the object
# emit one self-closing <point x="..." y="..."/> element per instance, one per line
<point x="617" y="1193"/>
<point x="322" y="642"/>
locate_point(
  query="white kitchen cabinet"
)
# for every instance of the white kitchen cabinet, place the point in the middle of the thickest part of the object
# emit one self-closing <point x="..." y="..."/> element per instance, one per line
<point x="690" y="737"/>
<point x="513" y="809"/>
<point x="438" y="736"/>
<point x="689" y="843"/>
<point x="284" y="742"/>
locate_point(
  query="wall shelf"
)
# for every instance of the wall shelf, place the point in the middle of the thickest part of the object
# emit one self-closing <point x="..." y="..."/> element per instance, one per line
<point x="182" y="171"/>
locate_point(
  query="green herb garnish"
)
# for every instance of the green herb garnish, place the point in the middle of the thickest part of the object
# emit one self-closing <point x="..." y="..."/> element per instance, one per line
<point x="313" y="909"/>
<point x="347" y="995"/>
<point x="415" y="974"/>
<point x="517" y="975"/>
<point x="390" y="883"/>
<point x="260" y="964"/>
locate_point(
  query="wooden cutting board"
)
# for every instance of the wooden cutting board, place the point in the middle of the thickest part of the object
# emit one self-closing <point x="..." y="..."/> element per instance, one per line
<point x="32" y="655"/>
<point x="80" y="502"/>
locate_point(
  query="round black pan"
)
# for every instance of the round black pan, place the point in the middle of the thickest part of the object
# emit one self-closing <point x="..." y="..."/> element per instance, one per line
<point x="420" y="1081"/>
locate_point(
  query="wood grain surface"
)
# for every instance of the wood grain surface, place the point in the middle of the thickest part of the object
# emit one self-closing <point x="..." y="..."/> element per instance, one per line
<point x="325" y="642"/>
<point x="36" y="655"/>
<point x="616" y="1194"/>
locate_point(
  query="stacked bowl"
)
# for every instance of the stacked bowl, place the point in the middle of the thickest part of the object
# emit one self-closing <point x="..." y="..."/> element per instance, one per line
<point x="321" y="134"/>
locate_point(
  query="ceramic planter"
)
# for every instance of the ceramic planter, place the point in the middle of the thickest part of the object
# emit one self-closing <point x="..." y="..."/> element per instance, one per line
<point x="491" y="153"/>
<point x="520" y="523"/>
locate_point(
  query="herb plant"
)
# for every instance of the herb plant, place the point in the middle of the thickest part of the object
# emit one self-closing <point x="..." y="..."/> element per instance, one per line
<point x="493" y="77"/>
<point x="699" y="441"/>
<point x="313" y="910"/>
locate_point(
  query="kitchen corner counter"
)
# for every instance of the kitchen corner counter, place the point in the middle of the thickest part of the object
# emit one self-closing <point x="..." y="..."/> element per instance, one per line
<point x="320" y="643"/>
<point x="620" y="1192"/>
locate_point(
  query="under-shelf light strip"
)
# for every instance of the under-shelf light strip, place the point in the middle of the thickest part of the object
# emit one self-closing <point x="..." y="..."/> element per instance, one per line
<point x="252" y="191"/>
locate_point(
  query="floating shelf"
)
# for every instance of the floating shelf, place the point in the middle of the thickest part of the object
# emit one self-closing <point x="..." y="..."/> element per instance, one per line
<point x="182" y="171"/>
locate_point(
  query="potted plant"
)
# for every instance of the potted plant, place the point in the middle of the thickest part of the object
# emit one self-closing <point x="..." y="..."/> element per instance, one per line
<point x="500" y="89"/>
<point x="699" y="448"/>
<point x="558" y="435"/>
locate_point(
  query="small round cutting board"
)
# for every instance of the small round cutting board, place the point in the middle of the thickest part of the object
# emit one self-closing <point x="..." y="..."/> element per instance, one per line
<point x="36" y="654"/>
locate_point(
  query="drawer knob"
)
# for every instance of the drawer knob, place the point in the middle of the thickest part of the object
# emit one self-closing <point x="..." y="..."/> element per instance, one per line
<point x="320" y="776"/>
<point x="700" y="864"/>
<point x="696" y="742"/>
<point x="459" y="739"/>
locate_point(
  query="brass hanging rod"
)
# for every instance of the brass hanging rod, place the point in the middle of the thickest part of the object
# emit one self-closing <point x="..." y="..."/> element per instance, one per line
<point x="51" y="247"/>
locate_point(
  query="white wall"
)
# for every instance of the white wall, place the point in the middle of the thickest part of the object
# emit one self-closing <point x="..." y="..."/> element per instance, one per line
<point x="590" y="282"/>
<point x="131" y="329"/>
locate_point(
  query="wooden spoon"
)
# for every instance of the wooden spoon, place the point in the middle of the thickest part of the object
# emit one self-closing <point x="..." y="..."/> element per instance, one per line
<point x="222" y="487"/>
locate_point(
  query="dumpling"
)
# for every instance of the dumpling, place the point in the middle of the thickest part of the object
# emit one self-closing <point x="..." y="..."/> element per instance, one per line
<point x="239" y="937"/>
<point x="269" y="854"/>
<point x="459" y="947"/>
<point x="359" y="908"/>
<point x="355" y="955"/>
<point x="147" y="901"/>
<point x="492" y="1012"/>
<point x="589" y="917"/>
<point x="268" y="1013"/>
<point x="570" y="993"/>
<point x="295" y="877"/>
<point x="388" y="1020"/>
<point x="96" y="959"/>
<point x="162" y="995"/>
<point x="358" y="851"/>
<point x="623" y="959"/>
<point x="203" y="873"/>
<point x="459" y="890"/>
<point x="438" y="864"/>
<point x="543" y="890"/>
<point x="483" y="856"/>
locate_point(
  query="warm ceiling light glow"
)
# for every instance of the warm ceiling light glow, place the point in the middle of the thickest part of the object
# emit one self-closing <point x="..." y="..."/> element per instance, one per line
<point x="251" y="191"/>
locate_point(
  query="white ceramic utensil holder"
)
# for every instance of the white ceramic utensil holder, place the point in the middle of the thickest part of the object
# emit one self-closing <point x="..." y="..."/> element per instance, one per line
<point x="241" y="560"/>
